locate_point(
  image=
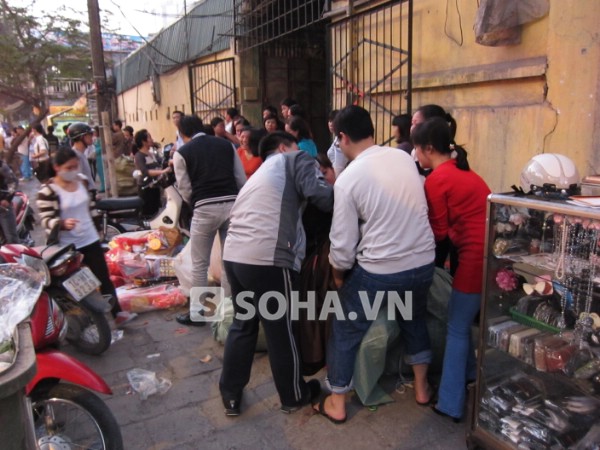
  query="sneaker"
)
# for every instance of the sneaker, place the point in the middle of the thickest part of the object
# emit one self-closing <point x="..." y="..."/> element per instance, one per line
<point x="232" y="407"/>
<point x="314" y="390"/>
<point x="124" y="318"/>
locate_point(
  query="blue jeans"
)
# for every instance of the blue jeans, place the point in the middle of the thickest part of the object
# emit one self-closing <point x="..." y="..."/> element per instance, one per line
<point x="459" y="357"/>
<point x="26" y="167"/>
<point x="206" y="222"/>
<point x="347" y="335"/>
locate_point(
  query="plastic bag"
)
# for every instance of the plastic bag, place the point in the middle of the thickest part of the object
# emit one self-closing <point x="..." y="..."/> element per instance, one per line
<point x="142" y="299"/>
<point x="133" y="241"/>
<point x="163" y="241"/>
<point x="128" y="265"/>
<point x="20" y="287"/>
<point x="124" y="167"/>
<point x="145" y="383"/>
<point x="183" y="265"/>
<point x="498" y="22"/>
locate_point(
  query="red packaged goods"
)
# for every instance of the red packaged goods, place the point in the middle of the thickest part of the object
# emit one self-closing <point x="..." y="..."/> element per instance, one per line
<point x="126" y="264"/>
<point x="130" y="241"/>
<point x="143" y="299"/>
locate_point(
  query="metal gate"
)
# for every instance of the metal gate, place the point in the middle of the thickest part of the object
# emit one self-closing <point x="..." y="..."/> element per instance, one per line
<point x="371" y="65"/>
<point x="213" y="88"/>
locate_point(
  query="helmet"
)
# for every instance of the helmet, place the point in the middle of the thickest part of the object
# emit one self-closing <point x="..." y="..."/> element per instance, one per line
<point x="78" y="129"/>
<point x="550" y="172"/>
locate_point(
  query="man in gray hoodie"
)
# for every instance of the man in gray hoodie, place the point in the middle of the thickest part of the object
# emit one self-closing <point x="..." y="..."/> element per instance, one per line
<point x="264" y="249"/>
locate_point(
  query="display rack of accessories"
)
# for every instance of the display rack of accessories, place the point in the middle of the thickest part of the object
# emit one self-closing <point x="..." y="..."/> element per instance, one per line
<point x="538" y="380"/>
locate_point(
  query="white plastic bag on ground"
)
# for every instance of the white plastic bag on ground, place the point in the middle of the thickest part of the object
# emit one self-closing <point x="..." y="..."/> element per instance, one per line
<point x="183" y="266"/>
<point x="145" y="383"/>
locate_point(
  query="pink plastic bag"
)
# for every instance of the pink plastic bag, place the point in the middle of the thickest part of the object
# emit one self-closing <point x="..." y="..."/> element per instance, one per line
<point x="141" y="299"/>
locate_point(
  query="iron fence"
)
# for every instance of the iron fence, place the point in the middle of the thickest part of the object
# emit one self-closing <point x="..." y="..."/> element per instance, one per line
<point x="370" y="63"/>
<point x="213" y="88"/>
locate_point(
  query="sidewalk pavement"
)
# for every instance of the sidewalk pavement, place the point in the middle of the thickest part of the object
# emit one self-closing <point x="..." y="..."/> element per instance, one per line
<point x="190" y="414"/>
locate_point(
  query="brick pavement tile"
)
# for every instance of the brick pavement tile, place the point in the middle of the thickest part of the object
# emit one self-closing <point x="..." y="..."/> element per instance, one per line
<point x="184" y="366"/>
<point x="136" y="437"/>
<point x="170" y="430"/>
<point x="190" y="415"/>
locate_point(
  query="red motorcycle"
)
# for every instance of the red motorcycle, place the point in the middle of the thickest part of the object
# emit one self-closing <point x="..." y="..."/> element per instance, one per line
<point x="74" y="288"/>
<point x="66" y="414"/>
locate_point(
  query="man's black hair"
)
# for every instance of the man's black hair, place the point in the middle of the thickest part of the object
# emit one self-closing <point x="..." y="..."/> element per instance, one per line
<point x="216" y="121"/>
<point x="288" y="102"/>
<point x="271" y="142"/>
<point x="232" y="112"/>
<point x="190" y="126"/>
<point x="355" y="122"/>
<point x="63" y="155"/>
<point x="118" y="122"/>
<point x="271" y="110"/>
<point x="256" y="134"/>
<point x="403" y="122"/>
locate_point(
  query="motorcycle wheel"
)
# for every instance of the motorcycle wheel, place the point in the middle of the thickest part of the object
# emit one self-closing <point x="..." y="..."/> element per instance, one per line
<point x="88" y="330"/>
<point x="112" y="229"/>
<point x="69" y="416"/>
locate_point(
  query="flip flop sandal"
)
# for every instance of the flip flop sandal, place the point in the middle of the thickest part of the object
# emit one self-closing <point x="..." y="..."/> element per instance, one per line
<point x="322" y="412"/>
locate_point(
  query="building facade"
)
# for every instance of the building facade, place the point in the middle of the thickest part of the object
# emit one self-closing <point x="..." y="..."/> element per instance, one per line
<point x="537" y="94"/>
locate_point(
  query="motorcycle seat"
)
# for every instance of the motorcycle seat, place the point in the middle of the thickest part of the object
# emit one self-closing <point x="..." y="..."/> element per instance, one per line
<point x="119" y="203"/>
<point x="52" y="252"/>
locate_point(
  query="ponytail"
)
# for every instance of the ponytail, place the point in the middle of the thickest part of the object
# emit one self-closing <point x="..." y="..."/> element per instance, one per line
<point x="438" y="134"/>
<point x="451" y="124"/>
<point x="461" y="156"/>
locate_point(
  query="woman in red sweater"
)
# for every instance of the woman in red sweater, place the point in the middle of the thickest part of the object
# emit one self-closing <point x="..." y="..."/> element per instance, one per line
<point x="250" y="161"/>
<point x="456" y="197"/>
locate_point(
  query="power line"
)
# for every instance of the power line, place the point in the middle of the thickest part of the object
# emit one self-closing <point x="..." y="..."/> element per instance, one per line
<point x="144" y="39"/>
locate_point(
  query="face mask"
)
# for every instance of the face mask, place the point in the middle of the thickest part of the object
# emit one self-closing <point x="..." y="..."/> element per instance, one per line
<point x="68" y="175"/>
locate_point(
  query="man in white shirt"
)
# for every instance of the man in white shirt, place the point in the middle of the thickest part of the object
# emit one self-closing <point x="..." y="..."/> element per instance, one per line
<point x="81" y="136"/>
<point x="176" y="117"/>
<point x="40" y="156"/>
<point x="381" y="242"/>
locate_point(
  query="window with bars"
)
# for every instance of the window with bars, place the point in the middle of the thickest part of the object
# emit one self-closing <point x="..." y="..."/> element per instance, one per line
<point x="213" y="88"/>
<point x="370" y="63"/>
<point x="260" y="21"/>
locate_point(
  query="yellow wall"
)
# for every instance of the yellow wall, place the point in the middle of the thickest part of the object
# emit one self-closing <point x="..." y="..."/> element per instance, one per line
<point x="513" y="102"/>
<point x="138" y="109"/>
<point x="510" y="102"/>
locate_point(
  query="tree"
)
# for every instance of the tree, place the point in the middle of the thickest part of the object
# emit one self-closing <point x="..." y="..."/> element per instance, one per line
<point x="34" y="52"/>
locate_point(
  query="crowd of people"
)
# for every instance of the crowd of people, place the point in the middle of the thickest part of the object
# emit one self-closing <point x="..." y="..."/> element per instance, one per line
<point x="384" y="217"/>
<point x="390" y="217"/>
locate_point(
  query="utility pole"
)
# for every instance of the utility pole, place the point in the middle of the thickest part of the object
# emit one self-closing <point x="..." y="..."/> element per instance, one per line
<point x="102" y="99"/>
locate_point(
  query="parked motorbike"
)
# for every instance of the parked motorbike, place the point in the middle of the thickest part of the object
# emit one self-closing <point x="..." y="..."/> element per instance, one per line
<point x="23" y="214"/>
<point x="74" y="288"/>
<point x="122" y="214"/>
<point x="66" y="413"/>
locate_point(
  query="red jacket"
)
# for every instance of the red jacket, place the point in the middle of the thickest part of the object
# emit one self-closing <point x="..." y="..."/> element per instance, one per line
<point x="457" y="207"/>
